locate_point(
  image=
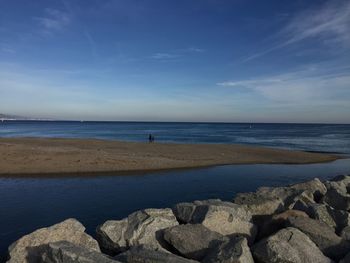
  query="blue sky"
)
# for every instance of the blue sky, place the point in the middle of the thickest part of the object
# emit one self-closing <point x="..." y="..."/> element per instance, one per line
<point x="183" y="60"/>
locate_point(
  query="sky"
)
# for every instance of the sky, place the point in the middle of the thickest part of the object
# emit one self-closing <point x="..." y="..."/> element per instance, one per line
<point x="179" y="60"/>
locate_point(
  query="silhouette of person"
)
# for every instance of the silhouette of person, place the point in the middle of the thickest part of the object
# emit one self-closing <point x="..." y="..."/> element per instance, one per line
<point x="150" y="138"/>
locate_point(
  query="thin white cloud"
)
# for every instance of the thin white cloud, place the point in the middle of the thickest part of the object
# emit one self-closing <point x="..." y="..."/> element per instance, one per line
<point x="8" y="50"/>
<point x="313" y="85"/>
<point x="329" y="24"/>
<point x="54" y="20"/>
<point x="176" y="53"/>
<point x="165" y="56"/>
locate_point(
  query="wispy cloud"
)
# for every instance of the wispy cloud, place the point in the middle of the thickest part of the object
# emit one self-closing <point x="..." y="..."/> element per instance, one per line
<point x="176" y="53"/>
<point x="165" y="56"/>
<point x="329" y="24"/>
<point x="8" y="50"/>
<point x="311" y="85"/>
<point x="54" y="20"/>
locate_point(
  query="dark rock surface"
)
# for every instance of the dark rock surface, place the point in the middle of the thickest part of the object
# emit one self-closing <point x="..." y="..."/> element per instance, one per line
<point x="192" y="241"/>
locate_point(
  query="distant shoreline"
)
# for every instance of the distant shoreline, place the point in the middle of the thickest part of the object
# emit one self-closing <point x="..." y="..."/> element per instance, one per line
<point x="43" y="157"/>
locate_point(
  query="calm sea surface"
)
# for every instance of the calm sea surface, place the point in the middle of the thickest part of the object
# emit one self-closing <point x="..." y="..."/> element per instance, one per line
<point x="309" y="137"/>
<point x="27" y="204"/>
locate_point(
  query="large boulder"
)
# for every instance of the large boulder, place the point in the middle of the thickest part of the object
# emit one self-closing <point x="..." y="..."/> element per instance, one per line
<point x="337" y="194"/>
<point x="232" y="250"/>
<point x="259" y="204"/>
<point x="225" y="218"/>
<point x="340" y="182"/>
<point x="337" y="219"/>
<point x="66" y="252"/>
<point x="29" y="247"/>
<point x="139" y="228"/>
<point x="141" y="254"/>
<point x="192" y="241"/>
<point x="288" y="245"/>
<point x="290" y="194"/>
<point x="322" y="235"/>
<point x="315" y="186"/>
<point x="277" y="222"/>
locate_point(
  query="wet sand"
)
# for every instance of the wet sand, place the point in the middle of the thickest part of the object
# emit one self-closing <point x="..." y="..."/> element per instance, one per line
<point x="45" y="157"/>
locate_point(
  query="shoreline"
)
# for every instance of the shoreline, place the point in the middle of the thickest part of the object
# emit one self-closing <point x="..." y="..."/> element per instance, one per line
<point x="58" y="157"/>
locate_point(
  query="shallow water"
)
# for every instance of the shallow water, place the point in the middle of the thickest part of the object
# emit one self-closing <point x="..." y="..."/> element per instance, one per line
<point x="30" y="203"/>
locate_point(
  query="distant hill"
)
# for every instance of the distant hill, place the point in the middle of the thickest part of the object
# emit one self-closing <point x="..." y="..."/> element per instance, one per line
<point x="11" y="117"/>
<point x="6" y="117"/>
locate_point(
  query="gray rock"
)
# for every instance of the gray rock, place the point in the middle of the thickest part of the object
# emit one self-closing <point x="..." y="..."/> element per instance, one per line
<point x="288" y="245"/>
<point x="192" y="241"/>
<point x="337" y="219"/>
<point x="322" y="235"/>
<point x="341" y="183"/>
<point x="28" y="248"/>
<point x="139" y="228"/>
<point x="259" y="204"/>
<point x="140" y="254"/>
<point x="305" y="198"/>
<point x="184" y="211"/>
<point x="337" y="193"/>
<point x="289" y="195"/>
<point x="315" y="186"/>
<point x="337" y="199"/>
<point x="233" y="250"/>
<point x="225" y="218"/>
<point x="277" y="222"/>
<point x="66" y="252"/>
<point x="320" y="212"/>
<point x="345" y="233"/>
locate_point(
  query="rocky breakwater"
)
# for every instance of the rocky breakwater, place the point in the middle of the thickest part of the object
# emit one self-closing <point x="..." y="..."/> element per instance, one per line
<point x="303" y="223"/>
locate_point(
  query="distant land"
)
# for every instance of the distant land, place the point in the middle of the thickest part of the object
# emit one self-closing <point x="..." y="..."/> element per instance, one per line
<point x="7" y="117"/>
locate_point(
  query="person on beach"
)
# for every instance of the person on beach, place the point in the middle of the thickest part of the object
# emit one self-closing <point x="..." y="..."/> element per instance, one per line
<point x="150" y="138"/>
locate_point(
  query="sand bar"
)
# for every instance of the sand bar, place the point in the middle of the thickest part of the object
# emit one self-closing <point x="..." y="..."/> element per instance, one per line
<point x="42" y="156"/>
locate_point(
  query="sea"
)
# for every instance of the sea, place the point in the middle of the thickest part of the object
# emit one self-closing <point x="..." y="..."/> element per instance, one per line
<point x="27" y="204"/>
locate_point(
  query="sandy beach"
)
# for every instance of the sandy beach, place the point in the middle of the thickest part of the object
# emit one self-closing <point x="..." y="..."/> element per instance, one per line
<point x="39" y="156"/>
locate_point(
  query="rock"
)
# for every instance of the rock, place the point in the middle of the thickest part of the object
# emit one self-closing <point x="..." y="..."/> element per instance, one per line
<point x="322" y="235"/>
<point x="259" y="204"/>
<point x="192" y="241"/>
<point x="345" y="233"/>
<point x="337" y="219"/>
<point x="184" y="211"/>
<point x="337" y="193"/>
<point x="288" y="245"/>
<point x="139" y="228"/>
<point x="66" y="252"/>
<point x="28" y="248"/>
<point x="315" y="186"/>
<point x="337" y="199"/>
<point x="341" y="183"/>
<point x="233" y="250"/>
<point x="277" y="222"/>
<point x="290" y="193"/>
<point x="305" y="198"/>
<point x="223" y="217"/>
<point x="140" y="254"/>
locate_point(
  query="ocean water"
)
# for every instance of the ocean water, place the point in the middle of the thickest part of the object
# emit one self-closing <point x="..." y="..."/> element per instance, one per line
<point x="308" y="137"/>
<point x="27" y="204"/>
